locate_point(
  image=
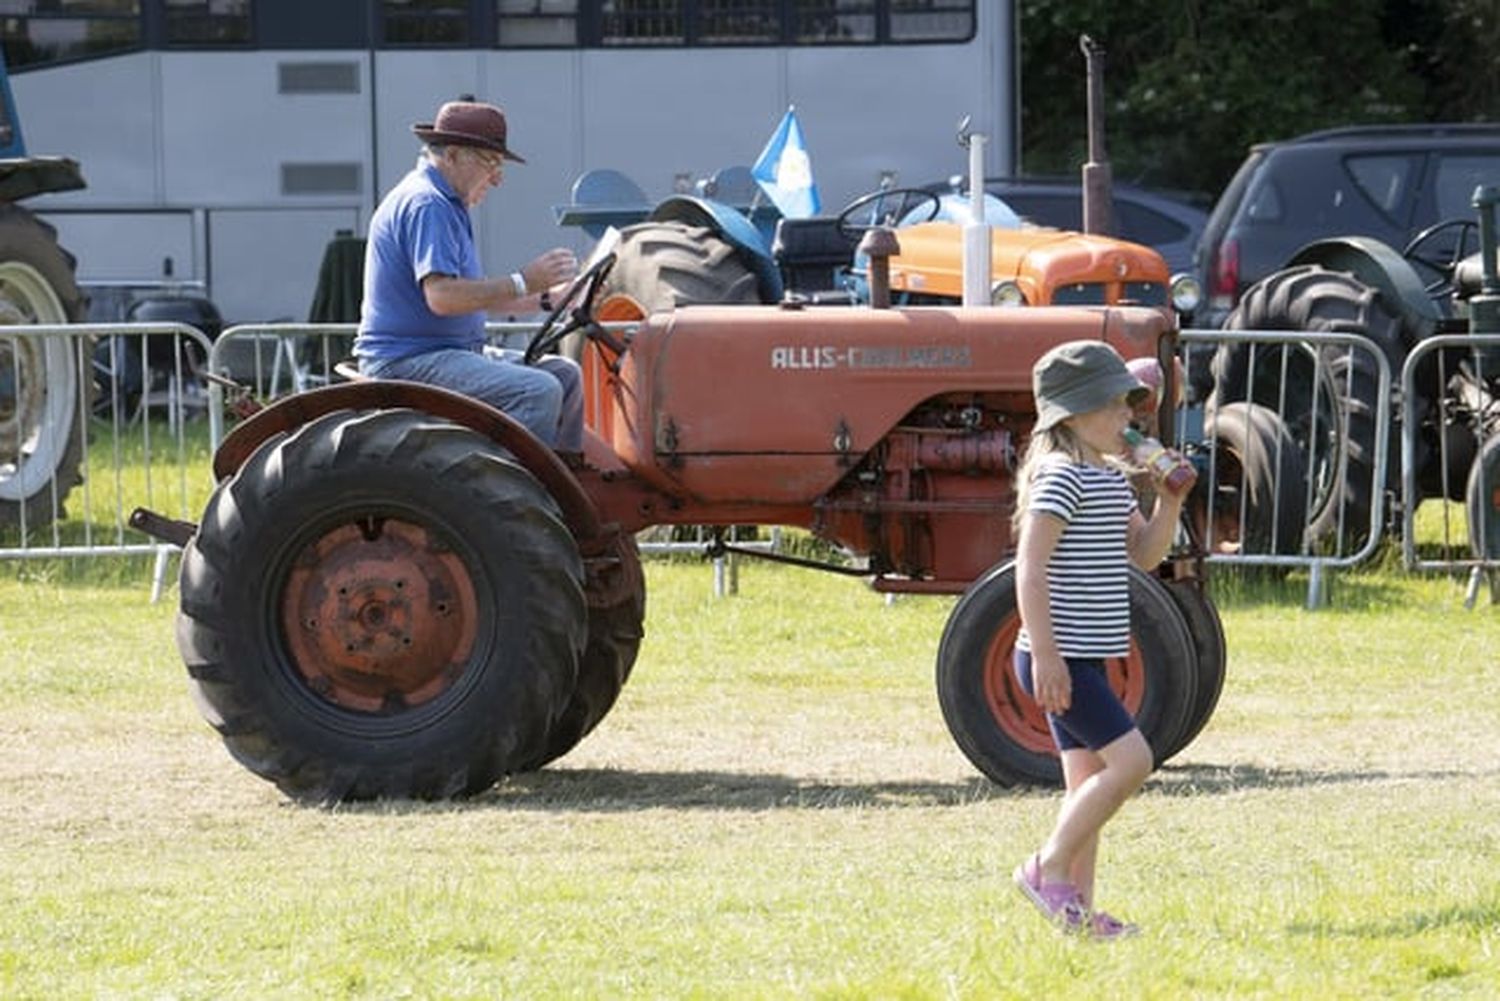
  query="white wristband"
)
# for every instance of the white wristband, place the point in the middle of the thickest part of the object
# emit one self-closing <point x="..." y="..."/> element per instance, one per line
<point x="519" y="281"/>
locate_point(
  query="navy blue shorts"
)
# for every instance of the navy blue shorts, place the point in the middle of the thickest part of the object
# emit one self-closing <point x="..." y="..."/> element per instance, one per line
<point x="1095" y="718"/>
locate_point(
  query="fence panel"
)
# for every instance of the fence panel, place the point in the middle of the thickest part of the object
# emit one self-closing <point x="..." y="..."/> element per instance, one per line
<point x="1297" y="474"/>
<point x="1450" y="451"/>
<point x="96" y="420"/>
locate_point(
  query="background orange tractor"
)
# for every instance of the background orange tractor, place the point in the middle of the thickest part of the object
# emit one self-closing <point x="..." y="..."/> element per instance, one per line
<point x="396" y="591"/>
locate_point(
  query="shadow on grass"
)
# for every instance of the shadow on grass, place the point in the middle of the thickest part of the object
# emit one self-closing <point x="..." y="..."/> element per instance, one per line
<point x="1480" y="917"/>
<point x="1217" y="780"/>
<point x="611" y="790"/>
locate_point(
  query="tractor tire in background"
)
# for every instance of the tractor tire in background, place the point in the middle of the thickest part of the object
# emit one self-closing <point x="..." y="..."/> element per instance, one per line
<point x="382" y="605"/>
<point x="664" y="265"/>
<point x="1339" y="439"/>
<point x="998" y="726"/>
<point x="1261" y="490"/>
<point x="617" y="608"/>
<point x="43" y="401"/>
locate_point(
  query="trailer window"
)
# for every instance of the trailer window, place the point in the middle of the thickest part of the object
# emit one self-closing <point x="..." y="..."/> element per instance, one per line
<point x="208" y="22"/>
<point x="426" y="22"/>
<point x="641" y="22"/>
<point x="832" y="21"/>
<point x="35" y="32"/>
<point x="536" y="23"/>
<point x="932" y="20"/>
<point x="738" y="22"/>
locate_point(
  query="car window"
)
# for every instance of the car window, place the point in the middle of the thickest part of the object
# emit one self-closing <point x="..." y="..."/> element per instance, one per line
<point x="1059" y="211"/>
<point x="1263" y="202"/>
<point x="1458" y="175"/>
<point x="1142" y="225"/>
<point x="1385" y="178"/>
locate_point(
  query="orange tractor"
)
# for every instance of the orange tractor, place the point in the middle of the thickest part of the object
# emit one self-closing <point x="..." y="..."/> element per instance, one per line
<point x="396" y="591"/>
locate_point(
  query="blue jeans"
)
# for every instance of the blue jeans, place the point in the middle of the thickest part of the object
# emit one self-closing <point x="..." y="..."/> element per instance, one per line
<point x="547" y="398"/>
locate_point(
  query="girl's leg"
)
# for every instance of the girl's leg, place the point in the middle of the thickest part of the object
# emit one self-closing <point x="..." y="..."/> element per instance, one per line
<point x="1079" y="765"/>
<point x="1126" y="762"/>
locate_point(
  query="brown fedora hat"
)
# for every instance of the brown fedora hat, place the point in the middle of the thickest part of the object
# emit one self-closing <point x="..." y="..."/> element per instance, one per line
<point x="468" y="123"/>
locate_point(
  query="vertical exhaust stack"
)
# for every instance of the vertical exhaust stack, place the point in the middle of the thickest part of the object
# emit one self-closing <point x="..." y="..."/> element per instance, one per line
<point x="1098" y="202"/>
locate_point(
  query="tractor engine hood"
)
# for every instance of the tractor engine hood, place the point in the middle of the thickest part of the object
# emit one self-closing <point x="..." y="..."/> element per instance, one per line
<point x="774" y="405"/>
<point x="1037" y="258"/>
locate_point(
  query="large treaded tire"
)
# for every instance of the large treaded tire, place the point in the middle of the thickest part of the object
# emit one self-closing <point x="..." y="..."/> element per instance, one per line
<point x="41" y="413"/>
<point x="664" y="265"/>
<point x="1260" y="468"/>
<point x="617" y="609"/>
<point x="1003" y="732"/>
<point x="381" y="605"/>
<point x="1312" y="298"/>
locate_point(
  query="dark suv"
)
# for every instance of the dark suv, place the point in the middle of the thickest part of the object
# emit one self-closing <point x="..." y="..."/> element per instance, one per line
<point x="1388" y="182"/>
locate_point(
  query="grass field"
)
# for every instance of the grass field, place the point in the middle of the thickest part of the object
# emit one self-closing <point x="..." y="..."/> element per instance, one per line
<point x="773" y="810"/>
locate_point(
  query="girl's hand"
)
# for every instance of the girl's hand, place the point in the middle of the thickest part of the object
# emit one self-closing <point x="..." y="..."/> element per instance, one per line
<point x="1052" y="684"/>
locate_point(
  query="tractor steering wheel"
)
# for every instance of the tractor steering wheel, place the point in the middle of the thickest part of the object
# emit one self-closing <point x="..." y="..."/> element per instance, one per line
<point x="1442" y="261"/>
<point x="555" y="327"/>
<point x="886" y="207"/>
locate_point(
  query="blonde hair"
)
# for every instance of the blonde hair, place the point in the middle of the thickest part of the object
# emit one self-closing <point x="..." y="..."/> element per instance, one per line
<point x="1059" y="439"/>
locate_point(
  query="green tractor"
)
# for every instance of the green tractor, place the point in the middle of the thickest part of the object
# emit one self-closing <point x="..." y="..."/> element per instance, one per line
<point x="1442" y="282"/>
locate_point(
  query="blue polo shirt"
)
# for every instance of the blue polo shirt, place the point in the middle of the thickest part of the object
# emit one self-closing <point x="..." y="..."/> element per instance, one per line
<point x="421" y="228"/>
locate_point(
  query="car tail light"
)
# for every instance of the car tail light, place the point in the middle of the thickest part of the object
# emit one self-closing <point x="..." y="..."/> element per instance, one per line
<point x="1224" y="281"/>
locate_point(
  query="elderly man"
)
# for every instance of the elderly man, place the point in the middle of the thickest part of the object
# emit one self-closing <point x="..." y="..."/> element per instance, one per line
<point x="426" y="294"/>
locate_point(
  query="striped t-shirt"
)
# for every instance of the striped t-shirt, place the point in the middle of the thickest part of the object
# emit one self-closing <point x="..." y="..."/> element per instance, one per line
<point x="1088" y="577"/>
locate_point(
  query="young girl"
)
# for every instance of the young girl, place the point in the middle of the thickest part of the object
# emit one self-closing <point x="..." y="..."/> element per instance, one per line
<point x="1079" y="527"/>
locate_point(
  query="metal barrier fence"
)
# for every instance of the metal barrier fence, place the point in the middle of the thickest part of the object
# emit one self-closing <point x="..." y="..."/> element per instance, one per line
<point x="97" y="419"/>
<point x="94" y="422"/>
<point x="1466" y="417"/>
<point x="1291" y="481"/>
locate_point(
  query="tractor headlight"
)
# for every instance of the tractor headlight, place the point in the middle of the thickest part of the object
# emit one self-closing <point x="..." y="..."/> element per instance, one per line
<point x="1007" y="293"/>
<point x="1186" y="293"/>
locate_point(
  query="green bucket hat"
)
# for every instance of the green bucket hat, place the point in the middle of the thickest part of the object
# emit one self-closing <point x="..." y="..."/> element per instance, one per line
<point x="1080" y="376"/>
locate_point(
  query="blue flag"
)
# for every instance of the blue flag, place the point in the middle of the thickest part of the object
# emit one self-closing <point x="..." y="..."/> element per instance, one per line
<point x="784" y="171"/>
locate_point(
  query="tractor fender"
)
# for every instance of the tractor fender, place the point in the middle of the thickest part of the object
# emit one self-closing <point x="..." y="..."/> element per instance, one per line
<point x="578" y="509"/>
<point x="1381" y="268"/>
<point x="734" y="228"/>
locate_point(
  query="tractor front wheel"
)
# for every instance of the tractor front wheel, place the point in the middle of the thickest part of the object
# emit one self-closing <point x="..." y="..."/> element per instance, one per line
<point x="382" y="605"/>
<point x="998" y="726"/>
<point x="43" y="398"/>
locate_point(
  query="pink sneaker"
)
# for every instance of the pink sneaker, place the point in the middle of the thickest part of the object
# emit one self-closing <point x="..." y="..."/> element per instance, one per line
<point x="1106" y="927"/>
<point x="1059" y="902"/>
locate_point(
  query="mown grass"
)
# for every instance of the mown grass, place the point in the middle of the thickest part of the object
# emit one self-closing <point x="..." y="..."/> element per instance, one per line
<point x="773" y="810"/>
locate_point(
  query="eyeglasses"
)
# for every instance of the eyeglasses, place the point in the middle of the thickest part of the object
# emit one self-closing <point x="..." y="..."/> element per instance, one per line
<point x="491" y="161"/>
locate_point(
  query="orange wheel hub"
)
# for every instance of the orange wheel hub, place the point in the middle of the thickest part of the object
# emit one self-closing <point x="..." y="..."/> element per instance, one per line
<point x="1018" y="716"/>
<point x="379" y="615"/>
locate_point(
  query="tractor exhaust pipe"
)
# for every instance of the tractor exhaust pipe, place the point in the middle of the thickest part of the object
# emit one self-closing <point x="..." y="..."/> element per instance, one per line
<point x="1098" y="202"/>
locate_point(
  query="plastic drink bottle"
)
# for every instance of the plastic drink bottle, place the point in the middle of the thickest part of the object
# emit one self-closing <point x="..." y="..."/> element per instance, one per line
<point x="1152" y="454"/>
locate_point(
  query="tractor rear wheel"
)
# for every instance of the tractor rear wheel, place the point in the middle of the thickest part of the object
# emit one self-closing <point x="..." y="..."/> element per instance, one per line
<point x="616" y="593"/>
<point x="998" y="726"/>
<point x="663" y="265"/>
<point x="42" y="399"/>
<point x="1338" y="434"/>
<point x="382" y="605"/>
<point x="1259" y="478"/>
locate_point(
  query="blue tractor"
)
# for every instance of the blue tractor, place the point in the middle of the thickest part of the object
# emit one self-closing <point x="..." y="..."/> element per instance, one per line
<point x="41" y="393"/>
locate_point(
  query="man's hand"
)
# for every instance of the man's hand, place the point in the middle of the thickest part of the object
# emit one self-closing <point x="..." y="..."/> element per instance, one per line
<point x="556" y="266"/>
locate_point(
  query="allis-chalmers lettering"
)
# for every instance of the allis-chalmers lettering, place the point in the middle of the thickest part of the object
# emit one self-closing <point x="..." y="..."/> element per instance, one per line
<point x="803" y="356"/>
